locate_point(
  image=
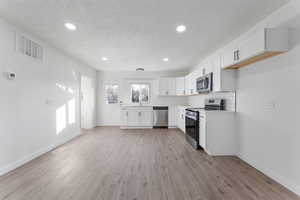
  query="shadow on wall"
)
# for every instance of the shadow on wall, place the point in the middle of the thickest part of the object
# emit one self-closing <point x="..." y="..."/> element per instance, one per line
<point x="65" y="114"/>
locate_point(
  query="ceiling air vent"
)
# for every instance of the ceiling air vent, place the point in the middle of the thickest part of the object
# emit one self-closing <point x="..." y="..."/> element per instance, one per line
<point x="140" y="69"/>
<point x="28" y="47"/>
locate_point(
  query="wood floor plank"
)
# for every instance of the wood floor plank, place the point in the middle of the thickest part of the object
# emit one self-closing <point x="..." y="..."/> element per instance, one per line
<point x="111" y="164"/>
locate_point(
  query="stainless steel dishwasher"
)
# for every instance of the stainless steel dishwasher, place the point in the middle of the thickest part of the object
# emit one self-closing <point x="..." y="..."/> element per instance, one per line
<point x="161" y="116"/>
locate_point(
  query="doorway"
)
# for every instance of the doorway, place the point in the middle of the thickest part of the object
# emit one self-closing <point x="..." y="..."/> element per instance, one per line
<point x="87" y="99"/>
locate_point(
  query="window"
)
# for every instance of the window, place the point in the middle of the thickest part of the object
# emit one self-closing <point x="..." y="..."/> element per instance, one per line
<point x="140" y="93"/>
<point x="111" y="91"/>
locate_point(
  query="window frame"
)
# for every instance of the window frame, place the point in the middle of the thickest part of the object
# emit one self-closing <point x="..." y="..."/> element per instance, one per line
<point x="105" y="93"/>
<point x="140" y="83"/>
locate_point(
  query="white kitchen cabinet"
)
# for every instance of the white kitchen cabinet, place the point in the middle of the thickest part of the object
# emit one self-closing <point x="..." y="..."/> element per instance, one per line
<point x="167" y="86"/>
<point x="263" y="44"/>
<point x="132" y="118"/>
<point x="137" y="117"/>
<point x="193" y="84"/>
<point x="146" y="118"/>
<point x="163" y="86"/>
<point x="172" y="120"/>
<point x="180" y="86"/>
<point x="202" y="131"/>
<point x="229" y="55"/>
<point x="218" y="133"/>
<point x="181" y="118"/>
<point x="188" y="87"/>
<point x="223" y="80"/>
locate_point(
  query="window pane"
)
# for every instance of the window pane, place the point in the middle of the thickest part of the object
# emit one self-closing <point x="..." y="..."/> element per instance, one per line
<point x="135" y="93"/>
<point x="140" y="93"/>
<point x="111" y="92"/>
<point x="145" y="93"/>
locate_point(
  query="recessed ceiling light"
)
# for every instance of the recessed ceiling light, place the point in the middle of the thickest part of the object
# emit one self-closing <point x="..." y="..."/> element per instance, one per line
<point x="70" y="26"/>
<point x="181" y="28"/>
<point x="104" y="59"/>
<point x="165" y="59"/>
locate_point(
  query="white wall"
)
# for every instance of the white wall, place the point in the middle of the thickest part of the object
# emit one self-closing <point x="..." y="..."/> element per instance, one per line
<point x="268" y="108"/>
<point x="268" y="99"/>
<point x="109" y="115"/>
<point x="267" y="105"/>
<point x="30" y="102"/>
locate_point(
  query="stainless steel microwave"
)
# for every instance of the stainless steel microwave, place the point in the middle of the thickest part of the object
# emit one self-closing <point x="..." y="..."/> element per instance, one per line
<point x="205" y="83"/>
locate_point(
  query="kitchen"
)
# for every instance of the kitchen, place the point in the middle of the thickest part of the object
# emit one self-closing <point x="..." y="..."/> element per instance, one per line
<point x="149" y="100"/>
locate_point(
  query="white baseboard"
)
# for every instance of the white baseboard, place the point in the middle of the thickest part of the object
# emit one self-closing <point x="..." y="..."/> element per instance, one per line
<point x="34" y="155"/>
<point x="133" y="127"/>
<point x="278" y="178"/>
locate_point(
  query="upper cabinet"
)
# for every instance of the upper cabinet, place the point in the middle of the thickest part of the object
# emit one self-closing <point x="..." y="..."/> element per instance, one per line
<point x="180" y="86"/>
<point x="167" y="86"/>
<point x="261" y="45"/>
<point x="223" y="80"/>
<point x="188" y="87"/>
<point x="229" y="55"/>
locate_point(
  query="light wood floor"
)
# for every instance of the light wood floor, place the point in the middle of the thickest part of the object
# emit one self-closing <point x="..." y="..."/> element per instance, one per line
<point x="113" y="164"/>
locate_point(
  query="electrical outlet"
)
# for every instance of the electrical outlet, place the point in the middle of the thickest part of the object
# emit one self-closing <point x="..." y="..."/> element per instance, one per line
<point x="270" y="105"/>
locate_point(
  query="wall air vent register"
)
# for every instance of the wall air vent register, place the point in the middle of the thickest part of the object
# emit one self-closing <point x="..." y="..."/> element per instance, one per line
<point x="28" y="47"/>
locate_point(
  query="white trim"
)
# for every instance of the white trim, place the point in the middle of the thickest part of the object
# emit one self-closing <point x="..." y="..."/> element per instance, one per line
<point x="136" y="127"/>
<point x="10" y="167"/>
<point x="272" y="174"/>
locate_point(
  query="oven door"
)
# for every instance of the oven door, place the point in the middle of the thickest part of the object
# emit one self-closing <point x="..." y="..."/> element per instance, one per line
<point x="192" y="130"/>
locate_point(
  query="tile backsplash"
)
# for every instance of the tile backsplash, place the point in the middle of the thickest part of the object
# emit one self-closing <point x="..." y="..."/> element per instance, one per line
<point x="230" y="99"/>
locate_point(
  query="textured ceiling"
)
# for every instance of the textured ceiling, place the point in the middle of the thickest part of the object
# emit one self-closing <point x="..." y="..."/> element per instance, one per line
<point x="138" y="33"/>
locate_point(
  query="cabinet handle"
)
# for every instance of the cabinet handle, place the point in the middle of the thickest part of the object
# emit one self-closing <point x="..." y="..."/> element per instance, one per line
<point x="192" y="91"/>
<point x="127" y="113"/>
<point x="183" y="92"/>
<point x="234" y="55"/>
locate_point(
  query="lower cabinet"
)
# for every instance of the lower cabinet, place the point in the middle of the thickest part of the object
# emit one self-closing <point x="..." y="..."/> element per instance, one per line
<point x="217" y="133"/>
<point x="137" y="117"/>
<point x="146" y="118"/>
<point x="181" y="118"/>
<point x="131" y="118"/>
<point x="202" y="132"/>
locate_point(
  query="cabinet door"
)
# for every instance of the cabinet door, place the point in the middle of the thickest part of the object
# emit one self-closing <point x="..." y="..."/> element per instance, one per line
<point x="177" y="117"/>
<point x="188" y="85"/>
<point x="216" y="66"/>
<point x="145" y="118"/>
<point x="229" y="56"/>
<point x="172" y="116"/>
<point x="132" y="118"/>
<point x="202" y="131"/>
<point x="182" y="120"/>
<point x="180" y="86"/>
<point x="253" y="45"/>
<point x="124" y="118"/>
<point x="172" y="86"/>
<point x="193" y="81"/>
<point x="163" y="86"/>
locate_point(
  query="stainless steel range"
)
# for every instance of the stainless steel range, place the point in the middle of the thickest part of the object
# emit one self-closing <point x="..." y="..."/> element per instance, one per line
<point x="192" y="122"/>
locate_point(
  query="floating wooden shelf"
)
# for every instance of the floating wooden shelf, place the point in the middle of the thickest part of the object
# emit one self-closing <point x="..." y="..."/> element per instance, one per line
<point x="255" y="59"/>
